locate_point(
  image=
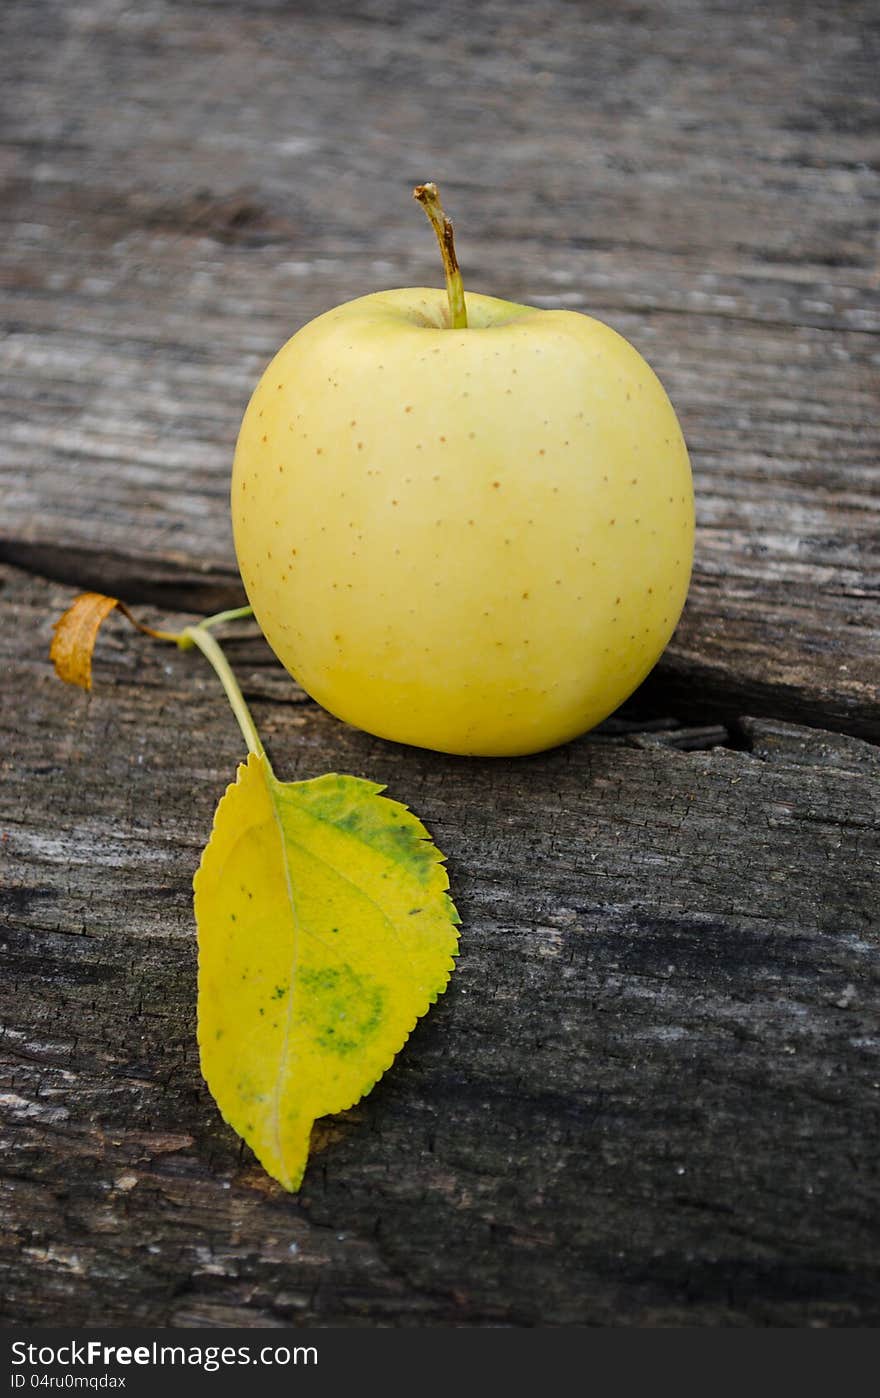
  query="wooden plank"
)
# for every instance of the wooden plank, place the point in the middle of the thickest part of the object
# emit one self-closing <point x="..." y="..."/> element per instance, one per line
<point x="650" y="1095"/>
<point x="184" y="196"/>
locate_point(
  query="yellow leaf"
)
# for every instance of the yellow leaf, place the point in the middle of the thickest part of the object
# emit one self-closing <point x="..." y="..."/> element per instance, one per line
<point x="325" y="931"/>
<point x="75" y="635"/>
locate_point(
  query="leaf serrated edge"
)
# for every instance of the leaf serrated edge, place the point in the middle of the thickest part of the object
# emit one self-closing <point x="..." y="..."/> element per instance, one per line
<point x="432" y="1000"/>
<point x="240" y="773"/>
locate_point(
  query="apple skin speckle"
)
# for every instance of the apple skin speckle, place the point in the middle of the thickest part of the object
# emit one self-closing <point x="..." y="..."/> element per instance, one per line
<point x="505" y="477"/>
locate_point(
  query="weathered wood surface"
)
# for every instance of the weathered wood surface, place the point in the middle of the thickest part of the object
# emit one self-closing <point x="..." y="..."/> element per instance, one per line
<point x="188" y="185"/>
<point x="651" y="1093"/>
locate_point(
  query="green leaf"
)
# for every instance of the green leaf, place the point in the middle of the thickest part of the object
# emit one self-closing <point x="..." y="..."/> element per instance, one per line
<point x="325" y="932"/>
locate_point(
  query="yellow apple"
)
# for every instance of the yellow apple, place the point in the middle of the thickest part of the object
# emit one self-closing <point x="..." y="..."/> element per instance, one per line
<point x="477" y="539"/>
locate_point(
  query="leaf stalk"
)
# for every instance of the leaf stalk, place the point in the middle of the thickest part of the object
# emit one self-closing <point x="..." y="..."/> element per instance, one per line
<point x="201" y="637"/>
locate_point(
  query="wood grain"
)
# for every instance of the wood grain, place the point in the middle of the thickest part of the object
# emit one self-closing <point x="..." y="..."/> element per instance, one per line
<point x="650" y="1096"/>
<point x="183" y="195"/>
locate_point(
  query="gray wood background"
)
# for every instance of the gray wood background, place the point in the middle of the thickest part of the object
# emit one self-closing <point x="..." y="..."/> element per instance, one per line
<point x="651" y="1094"/>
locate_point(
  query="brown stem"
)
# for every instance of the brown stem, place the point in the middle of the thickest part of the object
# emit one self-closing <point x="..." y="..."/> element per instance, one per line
<point x="428" y="196"/>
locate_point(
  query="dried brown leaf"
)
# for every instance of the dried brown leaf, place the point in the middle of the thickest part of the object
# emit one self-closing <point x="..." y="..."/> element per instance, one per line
<point x="75" y="635"/>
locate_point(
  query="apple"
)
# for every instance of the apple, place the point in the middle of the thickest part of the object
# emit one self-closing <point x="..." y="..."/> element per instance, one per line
<point x="463" y="523"/>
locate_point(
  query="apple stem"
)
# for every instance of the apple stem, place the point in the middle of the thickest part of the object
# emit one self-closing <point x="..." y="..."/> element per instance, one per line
<point x="428" y="196"/>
